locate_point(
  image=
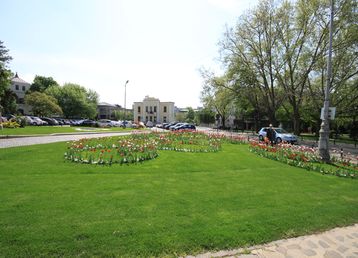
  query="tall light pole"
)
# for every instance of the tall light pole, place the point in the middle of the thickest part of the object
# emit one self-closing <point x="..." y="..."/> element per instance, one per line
<point x="125" y="99"/>
<point x="324" y="131"/>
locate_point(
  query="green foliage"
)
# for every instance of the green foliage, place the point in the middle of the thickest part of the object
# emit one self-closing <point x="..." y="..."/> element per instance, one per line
<point x="75" y="100"/>
<point x="8" y="102"/>
<point x="5" y="77"/>
<point x="205" y="116"/>
<point x="43" y="104"/>
<point x="10" y="124"/>
<point x="190" y="116"/>
<point x="121" y="115"/>
<point x="180" y="117"/>
<point x="217" y="96"/>
<point x="275" y="59"/>
<point x="42" y="83"/>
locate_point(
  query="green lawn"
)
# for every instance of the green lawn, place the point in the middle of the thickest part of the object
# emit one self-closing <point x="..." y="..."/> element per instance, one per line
<point x="34" y="130"/>
<point x="179" y="203"/>
<point x="341" y="139"/>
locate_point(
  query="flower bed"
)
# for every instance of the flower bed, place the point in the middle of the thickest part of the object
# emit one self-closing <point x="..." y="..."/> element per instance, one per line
<point x="139" y="147"/>
<point x="109" y="150"/>
<point x="304" y="157"/>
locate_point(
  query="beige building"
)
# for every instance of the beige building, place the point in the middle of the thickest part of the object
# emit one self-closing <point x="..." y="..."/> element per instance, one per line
<point x="19" y="87"/>
<point x="151" y="109"/>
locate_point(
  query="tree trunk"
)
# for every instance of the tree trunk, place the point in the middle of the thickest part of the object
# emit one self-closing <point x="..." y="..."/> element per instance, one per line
<point x="296" y="121"/>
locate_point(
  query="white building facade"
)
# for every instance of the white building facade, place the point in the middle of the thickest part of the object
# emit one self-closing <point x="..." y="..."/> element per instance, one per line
<point x="19" y="87"/>
<point x="151" y="109"/>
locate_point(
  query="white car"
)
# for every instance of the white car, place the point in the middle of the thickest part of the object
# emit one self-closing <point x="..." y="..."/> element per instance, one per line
<point x="38" y="121"/>
<point x="280" y="135"/>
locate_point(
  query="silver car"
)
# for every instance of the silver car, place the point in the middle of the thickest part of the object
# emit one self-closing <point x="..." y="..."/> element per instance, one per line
<point x="280" y="135"/>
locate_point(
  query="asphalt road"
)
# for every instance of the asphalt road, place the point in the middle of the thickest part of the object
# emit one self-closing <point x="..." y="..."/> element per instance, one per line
<point x="348" y="149"/>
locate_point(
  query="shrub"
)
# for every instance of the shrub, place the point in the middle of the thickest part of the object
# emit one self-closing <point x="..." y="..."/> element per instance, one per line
<point x="10" y="124"/>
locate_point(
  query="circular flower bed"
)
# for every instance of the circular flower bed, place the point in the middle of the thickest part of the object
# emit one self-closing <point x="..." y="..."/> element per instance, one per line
<point x="109" y="150"/>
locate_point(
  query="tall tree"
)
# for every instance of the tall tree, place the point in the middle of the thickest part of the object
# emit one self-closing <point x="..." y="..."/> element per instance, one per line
<point x="8" y="102"/>
<point x="5" y="73"/>
<point x="75" y="100"/>
<point x="41" y="83"/>
<point x="217" y="97"/>
<point x="190" y="116"/>
<point x="205" y="116"/>
<point x="252" y="44"/>
<point x="43" y="104"/>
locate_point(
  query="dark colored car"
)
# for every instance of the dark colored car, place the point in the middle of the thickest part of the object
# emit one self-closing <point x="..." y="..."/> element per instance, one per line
<point x="50" y="121"/>
<point x="169" y="125"/>
<point x="88" y="122"/>
<point x="185" y="127"/>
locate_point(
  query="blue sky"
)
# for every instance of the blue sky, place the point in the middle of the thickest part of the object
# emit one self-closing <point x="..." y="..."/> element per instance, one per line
<point x="157" y="45"/>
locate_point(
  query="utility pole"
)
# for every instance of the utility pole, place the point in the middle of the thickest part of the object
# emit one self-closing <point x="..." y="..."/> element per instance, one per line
<point x="125" y="100"/>
<point x="323" y="143"/>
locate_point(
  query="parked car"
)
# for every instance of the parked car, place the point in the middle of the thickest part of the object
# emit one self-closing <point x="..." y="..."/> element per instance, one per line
<point x="77" y="122"/>
<point x="50" y="121"/>
<point x="185" y="126"/>
<point x="38" y="121"/>
<point x="29" y="120"/>
<point x="104" y="123"/>
<point x="280" y="135"/>
<point x="88" y="122"/>
<point x="149" y="124"/>
<point x="169" y="125"/>
<point x="116" y="123"/>
<point x="173" y="127"/>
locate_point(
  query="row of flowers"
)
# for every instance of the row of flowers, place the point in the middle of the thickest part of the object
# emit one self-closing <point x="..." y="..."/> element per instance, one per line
<point x="304" y="157"/>
<point x="139" y="147"/>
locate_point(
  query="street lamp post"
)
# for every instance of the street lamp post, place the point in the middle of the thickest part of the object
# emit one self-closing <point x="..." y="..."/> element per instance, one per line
<point x="125" y="100"/>
<point x="324" y="131"/>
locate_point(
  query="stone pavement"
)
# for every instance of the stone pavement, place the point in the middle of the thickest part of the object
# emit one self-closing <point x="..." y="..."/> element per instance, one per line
<point x="335" y="243"/>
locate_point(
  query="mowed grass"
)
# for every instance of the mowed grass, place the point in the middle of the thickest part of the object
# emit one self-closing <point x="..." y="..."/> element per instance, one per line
<point x="179" y="203"/>
<point x="36" y="130"/>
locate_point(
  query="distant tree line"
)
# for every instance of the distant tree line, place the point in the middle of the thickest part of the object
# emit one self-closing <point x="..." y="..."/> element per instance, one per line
<point x="275" y="65"/>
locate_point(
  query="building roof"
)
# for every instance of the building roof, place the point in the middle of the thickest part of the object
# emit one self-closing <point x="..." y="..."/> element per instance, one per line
<point x="106" y="104"/>
<point x="147" y="98"/>
<point x="16" y="78"/>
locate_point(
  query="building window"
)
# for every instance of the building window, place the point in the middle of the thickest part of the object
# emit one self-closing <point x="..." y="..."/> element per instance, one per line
<point x="21" y="101"/>
<point x="155" y="119"/>
<point x="139" y="109"/>
<point x="138" y="118"/>
<point x="146" y="108"/>
<point x="151" y="118"/>
<point x="151" y="109"/>
<point x="146" y="119"/>
<point x="16" y="87"/>
<point x="164" y="119"/>
<point x="155" y="109"/>
<point x="23" y="88"/>
<point x="165" y="109"/>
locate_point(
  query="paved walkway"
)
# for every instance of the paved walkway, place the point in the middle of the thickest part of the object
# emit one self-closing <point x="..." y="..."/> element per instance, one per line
<point x="335" y="243"/>
<point x="23" y="141"/>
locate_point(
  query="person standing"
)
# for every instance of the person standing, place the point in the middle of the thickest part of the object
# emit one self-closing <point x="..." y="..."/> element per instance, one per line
<point x="271" y="135"/>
